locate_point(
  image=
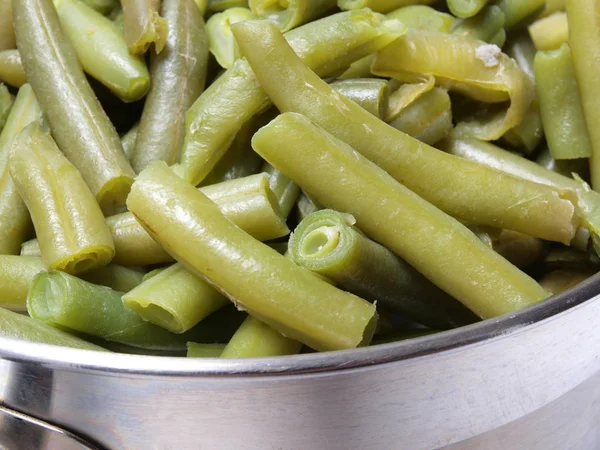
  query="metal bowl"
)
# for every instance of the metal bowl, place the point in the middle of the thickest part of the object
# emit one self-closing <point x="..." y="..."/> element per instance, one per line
<point x="529" y="380"/>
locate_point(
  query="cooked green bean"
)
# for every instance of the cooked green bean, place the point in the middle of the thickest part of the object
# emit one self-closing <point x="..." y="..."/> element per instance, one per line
<point x="69" y="224"/>
<point x="428" y="118"/>
<point x="31" y="248"/>
<point x="406" y="94"/>
<point x="143" y="25"/>
<point x="289" y="14"/>
<point x="128" y="141"/>
<point x="102" y="50"/>
<point x="498" y="39"/>
<point x="423" y="17"/>
<point x="560" y="280"/>
<point x="178" y="78"/>
<point x="487" y="196"/>
<point x="174" y="299"/>
<point x="90" y="142"/>
<point x="560" y="105"/>
<point x="202" y="6"/>
<point x="382" y="6"/>
<point x="327" y="243"/>
<point x="102" y="6"/>
<point x="254" y="276"/>
<point x="255" y="339"/>
<point x="11" y="69"/>
<point x="222" y="44"/>
<point x="483" y="26"/>
<point x="518" y="11"/>
<point x="394" y="216"/>
<point x="549" y="33"/>
<point x="475" y="69"/>
<point x="327" y="45"/>
<point x="116" y="277"/>
<point x="16" y="275"/>
<point x="222" y="5"/>
<point x="306" y="205"/>
<point x="370" y="94"/>
<point x="7" y="32"/>
<point x="195" y="350"/>
<point x="14" y="217"/>
<point x="555" y="5"/>
<point x="518" y="248"/>
<point x="565" y="258"/>
<point x="284" y="189"/>
<point x="17" y="326"/>
<point x="584" y="29"/>
<point x="565" y="166"/>
<point x="6" y="103"/>
<point x="466" y="8"/>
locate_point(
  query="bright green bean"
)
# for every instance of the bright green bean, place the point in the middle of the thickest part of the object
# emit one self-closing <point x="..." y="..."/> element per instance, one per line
<point x="584" y="29"/>
<point x="69" y="224"/>
<point x="143" y="25"/>
<point x="483" y="26"/>
<point x="327" y="243"/>
<point x="128" y="141"/>
<point x="195" y="350"/>
<point x="7" y="33"/>
<point x="102" y="50"/>
<point x="119" y="278"/>
<point x="560" y="105"/>
<point x="256" y="277"/>
<point x="14" y="217"/>
<point x="382" y="6"/>
<point x="396" y="217"/>
<point x="16" y="275"/>
<point x="423" y="17"/>
<point x="327" y="45"/>
<point x="90" y="141"/>
<point x="549" y="33"/>
<point x="291" y="13"/>
<point x="11" y="69"/>
<point x="6" y="103"/>
<point x="222" y="5"/>
<point x="370" y="94"/>
<point x="222" y="44"/>
<point x="18" y="326"/>
<point x="174" y="299"/>
<point x="285" y="190"/>
<point x="517" y="12"/>
<point x="466" y="8"/>
<point x="255" y="339"/>
<point x="487" y="196"/>
<point x="178" y="78"/>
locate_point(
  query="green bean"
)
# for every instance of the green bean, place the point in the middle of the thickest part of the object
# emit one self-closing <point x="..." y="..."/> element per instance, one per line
<point x="202" y="6"/>
<point x="174" y="299"/>
<point x="428" y="119"/>
<point x="306" y="205"/>
<point x="222" y="44"/>
<point x="359" y="69"/>
<point x="7" y="33"/>
<point x="14" y="217"/>
<point x="195" y="350"/>
<point x="382" y="6"/>
<point x="560" y="105"/>
<point x="31" y="248"/>
<point x="102" y="6"/>
<point x="254" y="276"/>
<point x="475" y="69"/>
<point x="423" y="17"/>
<point x="6" y="103"/>
<point x="529" y="133"/>
<point x="18" y="326"/>
<point x="466" y="8"/>
<point x="370" y="94"/>
<point x="561" y="280"/>
<point x="555" y="5"/>
<point x="11" y="69"/>
<point x="222" y="5"/>
<point x="289" y="14"/>
<point x="116" y="277"/>
<point x="327" y="243"/>
<point x="518" y="11"/>
<point x="498" y="39"/>
<point x="16" y="275"/>
<point x="90" y="142"/>
<point x="143" y="25"/>
<point x="128" y="141"/>
<point x="284" y="189"/>
<point x="327" y="45"/>
<point x="518" y="248"/>
<point x="483" y="26"/>
<point x="102" y="50"/>
<point x="406" y="94"/>
<point x="154" y="272"/>
<point x="396" y="217"/>
<point x="549" y="33"/>
<point x="565" y="166"/>
<point x="518" y="205"/>
<point x="584" y="28"/>
<point x="68" y="222"/>
<point x="255" y="339"/>
<point x="178" y="78"/>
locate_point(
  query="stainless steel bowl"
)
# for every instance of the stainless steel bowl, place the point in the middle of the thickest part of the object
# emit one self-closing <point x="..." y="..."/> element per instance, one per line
<point x="525" y="381"/>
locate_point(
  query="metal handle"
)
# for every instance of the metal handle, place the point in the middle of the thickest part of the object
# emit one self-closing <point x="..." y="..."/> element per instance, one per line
<point x="19" y="431"/>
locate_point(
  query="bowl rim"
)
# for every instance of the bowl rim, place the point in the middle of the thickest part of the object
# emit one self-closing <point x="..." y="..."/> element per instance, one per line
<point x="90" y="361"/>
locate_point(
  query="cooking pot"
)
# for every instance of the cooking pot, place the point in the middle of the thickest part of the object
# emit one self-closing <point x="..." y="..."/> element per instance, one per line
<point x="529" y="380"/>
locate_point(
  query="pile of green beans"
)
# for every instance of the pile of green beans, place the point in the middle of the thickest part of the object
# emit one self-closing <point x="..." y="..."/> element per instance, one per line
<point x="257" y="178"/>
